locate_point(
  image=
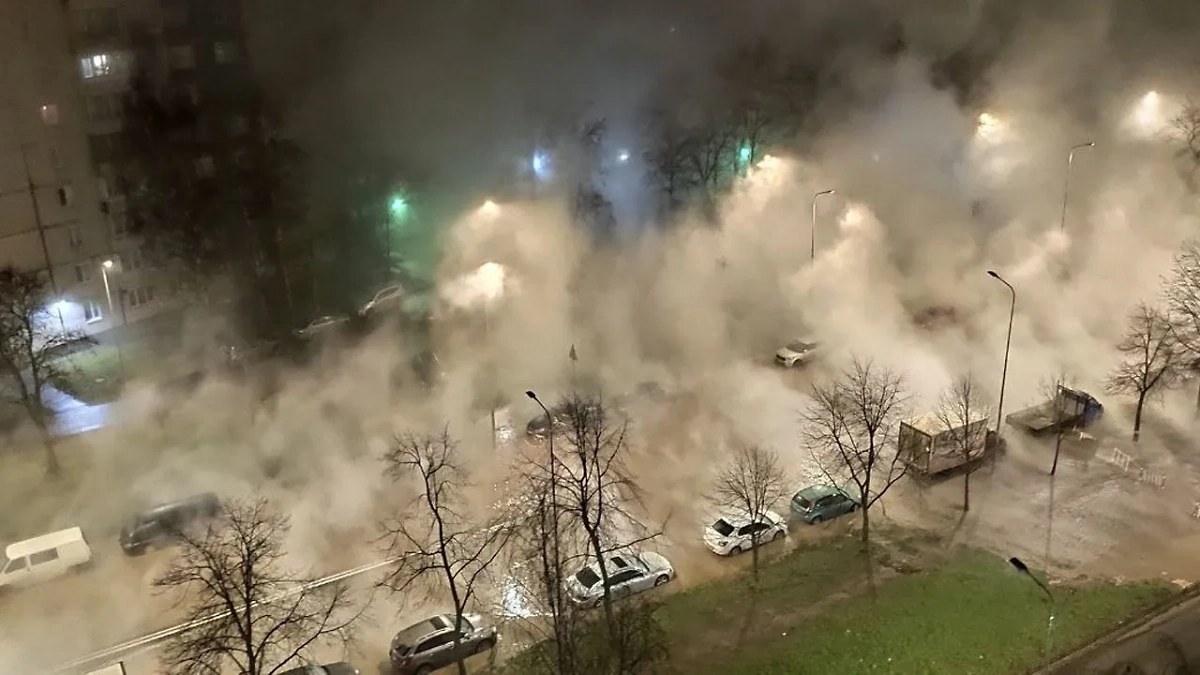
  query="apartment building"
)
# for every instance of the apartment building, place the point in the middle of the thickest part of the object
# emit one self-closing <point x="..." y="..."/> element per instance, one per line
<point x="52" y="217"/>
<point x="66" y="67"/>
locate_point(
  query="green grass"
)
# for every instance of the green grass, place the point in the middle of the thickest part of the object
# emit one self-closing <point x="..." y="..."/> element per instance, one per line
<point x="971" y="614"/>
<point x="96" y="375"/>
<point x="964" y="612"/>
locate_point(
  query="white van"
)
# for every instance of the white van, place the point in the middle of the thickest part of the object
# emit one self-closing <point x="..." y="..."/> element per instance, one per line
<point x="43" y="558"/>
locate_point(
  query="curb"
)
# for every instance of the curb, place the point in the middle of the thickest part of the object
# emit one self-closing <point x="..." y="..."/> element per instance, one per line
<point x="1120" y="631"/>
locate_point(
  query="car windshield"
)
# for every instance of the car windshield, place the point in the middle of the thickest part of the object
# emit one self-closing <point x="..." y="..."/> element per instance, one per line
<point x="803" y="502"/>
<point x="587" y="577"/>
<point x="799" y="346"/>
<point x="722" y="527"/>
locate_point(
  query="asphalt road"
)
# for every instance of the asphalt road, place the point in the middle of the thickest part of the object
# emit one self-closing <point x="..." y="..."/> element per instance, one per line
<point x="1167" y="645"/>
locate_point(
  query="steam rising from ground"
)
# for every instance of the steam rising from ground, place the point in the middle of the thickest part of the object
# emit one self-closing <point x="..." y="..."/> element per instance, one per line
<point x="691" y="305"/>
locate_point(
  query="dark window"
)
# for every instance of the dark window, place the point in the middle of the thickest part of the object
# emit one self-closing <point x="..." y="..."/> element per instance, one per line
<point x="723" y="528"/>
<point x="623" y="576"/>
<point x="587" y="577"/>
<point x="435" y="642"/>
<point x="16" y="565"/>
<point x="43" y="557"/>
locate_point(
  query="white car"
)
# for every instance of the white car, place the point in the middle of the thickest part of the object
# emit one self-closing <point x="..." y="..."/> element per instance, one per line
<point x="320" y="325"/>
<point x="797" y="353"/>
<point x="734" y="534"/>
<point x="386" y="297"/>
<point x="628" y="573"/>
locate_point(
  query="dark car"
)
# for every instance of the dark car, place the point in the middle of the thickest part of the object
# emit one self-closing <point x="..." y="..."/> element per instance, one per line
<point x="160" y="525"/>
<point x="339" y="668"/>
<point x="435" y="643"/>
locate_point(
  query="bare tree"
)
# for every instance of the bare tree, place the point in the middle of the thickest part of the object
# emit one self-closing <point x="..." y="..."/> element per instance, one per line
<point x="961" y="409"/>
<point x="753" y="481"/>
<point x="595" y="493"/>
<point x="246" y="611"/>
<point x="1185" y="128"/>
<point x="32" y="339"/>
<point x="1182" y="290"/>
<point x="1152" y="359"/>
<point x="1050" y="390"/>
<point x="435" y="539"/>
<point x="849" y="427"/>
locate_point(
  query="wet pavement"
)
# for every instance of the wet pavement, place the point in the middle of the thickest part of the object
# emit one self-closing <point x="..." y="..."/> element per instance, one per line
<point x="1167" y="645"/>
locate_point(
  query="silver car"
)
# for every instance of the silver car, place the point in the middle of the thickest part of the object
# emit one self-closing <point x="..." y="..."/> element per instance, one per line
<point x="628" y="573"/>
<point x="435" y="643"/>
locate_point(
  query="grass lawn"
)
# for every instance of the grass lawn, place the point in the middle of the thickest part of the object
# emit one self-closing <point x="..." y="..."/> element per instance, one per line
<point x="970" y="614"/>
<point x="95" y="375"/>
<point x="962" y="612"/>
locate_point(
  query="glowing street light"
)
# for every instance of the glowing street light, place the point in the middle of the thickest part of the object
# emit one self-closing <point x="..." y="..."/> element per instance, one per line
<point x="489" y="208"/>
<point x="988" y="127"/>
<point x="398" y="207"/>
<point x="623" y="156"/>
<point x="812" y="244"/>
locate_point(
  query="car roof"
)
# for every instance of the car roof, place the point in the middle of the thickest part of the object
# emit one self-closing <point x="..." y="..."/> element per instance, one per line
<point x="423" y="629"/>
<point x="815" y="492"/>
<point x="44" y="542"/>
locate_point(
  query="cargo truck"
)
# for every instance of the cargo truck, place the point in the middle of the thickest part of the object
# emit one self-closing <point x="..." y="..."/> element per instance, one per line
<point x="930" y="446"/>
<point x="1069" y="409"/>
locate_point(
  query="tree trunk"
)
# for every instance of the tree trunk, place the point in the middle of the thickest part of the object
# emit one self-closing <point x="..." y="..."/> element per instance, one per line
<point x="53" y="468"/>
<point x="754" y="563"/>
<point x="1198" y="400"/>
<point x="1057" y="448"/>
<point x="1137" y="416"/>
<point x="865" y="538"/>
<point x="967" y="489"/>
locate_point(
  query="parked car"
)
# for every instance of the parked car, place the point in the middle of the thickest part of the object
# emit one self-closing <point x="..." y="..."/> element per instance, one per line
<point x="385" y="298"/>
<point x="160" y="525"/>
<point x="819" y="503"/>
<point x="736" y="533"/>
<point x="797" y="353"/>
<point x="628" y="573"/>
<point x="40" y="559"/>
<point x="424" y="647"/>
<point x="339" y="668"/>
<point x="320" y="326"/>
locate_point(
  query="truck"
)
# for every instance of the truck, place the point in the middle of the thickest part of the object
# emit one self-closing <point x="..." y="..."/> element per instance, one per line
<point x="1069" y="409"/>
<point x="930" y="446"/>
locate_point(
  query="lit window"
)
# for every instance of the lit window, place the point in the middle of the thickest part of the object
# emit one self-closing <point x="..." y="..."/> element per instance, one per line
<point x="97" y="65"/>
<point x="50" y="114"/>
<point x="91" y="311"/>
<point x="83" y="273"/>
<point x="225" y="52"/>
<point x="182" y="57"/>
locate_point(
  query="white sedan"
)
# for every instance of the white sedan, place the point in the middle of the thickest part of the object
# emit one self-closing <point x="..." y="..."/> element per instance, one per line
<point x="734" y="534"/>
<point x="320" y="326"/>
<point x="628" y="573"/>
<point x="797" y="353"/>
<point x="385" y="298"/>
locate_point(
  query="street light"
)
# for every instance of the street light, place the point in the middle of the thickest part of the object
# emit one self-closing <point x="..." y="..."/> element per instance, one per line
<point x="1062" y="223"/>
<point x="489" y="208"/>
<point x="1012" y="310"/>
<point x="812" y="244"/>
<point x="553" y="497"/>
<point x="105" y="267"/>
<point x="1022" y="568"/>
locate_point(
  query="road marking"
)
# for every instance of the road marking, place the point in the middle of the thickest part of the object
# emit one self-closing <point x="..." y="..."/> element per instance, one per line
<point x="150" y="641"/>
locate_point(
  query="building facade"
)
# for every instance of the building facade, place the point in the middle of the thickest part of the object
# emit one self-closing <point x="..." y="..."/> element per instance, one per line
<point x="52" y="216"/>
<point x="66" y="67"/>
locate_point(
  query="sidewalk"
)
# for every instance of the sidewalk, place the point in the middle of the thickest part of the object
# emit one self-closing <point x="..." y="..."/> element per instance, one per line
<point x="1167" y="642"/>
<point x="72" y="416"/>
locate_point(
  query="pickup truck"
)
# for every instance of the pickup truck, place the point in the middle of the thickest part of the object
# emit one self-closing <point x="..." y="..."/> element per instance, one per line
<point x="1069" y="409"/>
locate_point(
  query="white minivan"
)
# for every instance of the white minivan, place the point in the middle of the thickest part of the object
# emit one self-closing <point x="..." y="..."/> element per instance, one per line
<point x="43" y="558"/>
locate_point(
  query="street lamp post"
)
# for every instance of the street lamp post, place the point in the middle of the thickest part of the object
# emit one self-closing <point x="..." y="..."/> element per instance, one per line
<point x="1062" y="222"/>
<point x="553" y="501"/>
<point x="812" y="245"/>
<point x="104" y="268"/>
<point x="1012" y="309"/>
<point x="1022" y="568"/>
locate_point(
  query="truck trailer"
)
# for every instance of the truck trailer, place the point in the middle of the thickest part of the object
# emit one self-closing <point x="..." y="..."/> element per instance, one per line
<point x="930" y="446"/>
<point x="1069" y="409"/>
